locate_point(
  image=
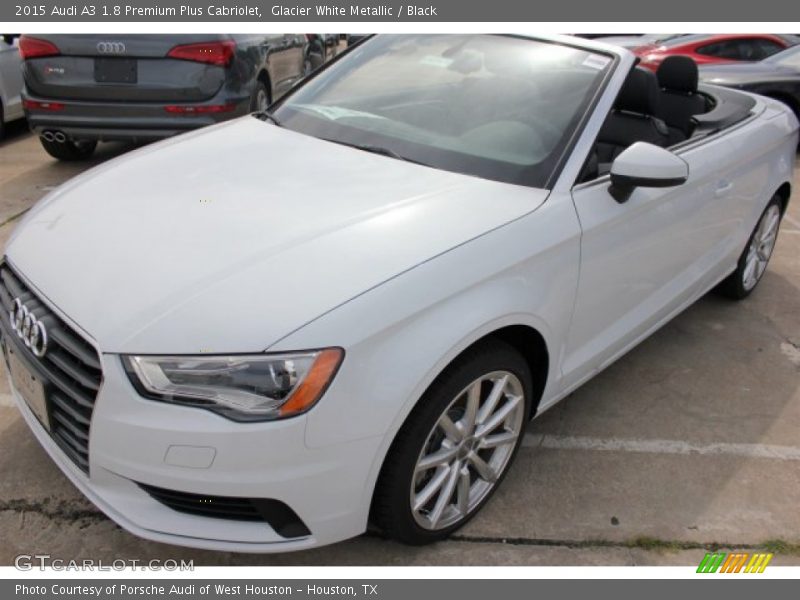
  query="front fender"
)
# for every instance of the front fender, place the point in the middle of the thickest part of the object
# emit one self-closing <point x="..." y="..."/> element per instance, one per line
<point x="400" y="335"/>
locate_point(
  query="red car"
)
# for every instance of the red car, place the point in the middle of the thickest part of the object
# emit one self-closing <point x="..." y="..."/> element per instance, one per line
<point x="714" y="49"/>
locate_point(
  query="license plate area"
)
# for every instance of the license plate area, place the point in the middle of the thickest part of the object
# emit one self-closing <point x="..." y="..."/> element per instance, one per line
<point x="115" y="70"/>
<point x="29" y="387"/>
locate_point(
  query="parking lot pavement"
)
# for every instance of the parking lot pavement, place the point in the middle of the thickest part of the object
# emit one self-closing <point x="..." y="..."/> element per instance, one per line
<point x="687" y="443"/>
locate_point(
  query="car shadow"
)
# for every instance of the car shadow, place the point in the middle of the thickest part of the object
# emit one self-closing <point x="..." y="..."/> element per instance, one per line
<point x="14" y="130"/>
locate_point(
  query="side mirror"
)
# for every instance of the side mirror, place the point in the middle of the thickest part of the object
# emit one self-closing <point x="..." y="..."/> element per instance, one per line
<point x="645" y="165"/>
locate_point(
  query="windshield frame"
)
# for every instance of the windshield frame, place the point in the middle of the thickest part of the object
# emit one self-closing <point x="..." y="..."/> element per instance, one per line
<point x="570" y="142"/>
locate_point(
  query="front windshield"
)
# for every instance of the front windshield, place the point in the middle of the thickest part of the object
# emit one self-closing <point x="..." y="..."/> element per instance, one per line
<point x="497" y="107"/>
<point x="787" y="58"/>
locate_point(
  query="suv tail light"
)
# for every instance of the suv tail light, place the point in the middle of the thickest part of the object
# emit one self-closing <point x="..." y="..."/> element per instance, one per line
<point x="38" y="105"/>
<point x="31" y="47"/>
<point x="213" y="53"/>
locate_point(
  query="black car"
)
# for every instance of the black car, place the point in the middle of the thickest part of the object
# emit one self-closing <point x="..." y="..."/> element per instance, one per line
<point x="777" y="77"/>
<point x="81" y="89"/>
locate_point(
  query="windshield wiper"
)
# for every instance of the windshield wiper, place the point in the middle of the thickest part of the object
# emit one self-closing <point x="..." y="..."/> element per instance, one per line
<point x="266" y="115"/>
<point x="377" y="150"/>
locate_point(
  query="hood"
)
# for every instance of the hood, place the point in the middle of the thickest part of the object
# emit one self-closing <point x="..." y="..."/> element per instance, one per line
<point x="742" y="73"/>
<point x="230" y="238"/>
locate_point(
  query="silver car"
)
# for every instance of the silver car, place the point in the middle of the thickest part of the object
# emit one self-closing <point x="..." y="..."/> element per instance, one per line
<point x="10" y="81"/>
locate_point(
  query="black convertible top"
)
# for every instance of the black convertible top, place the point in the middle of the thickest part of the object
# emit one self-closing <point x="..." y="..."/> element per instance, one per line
<point x="729" y="107"/>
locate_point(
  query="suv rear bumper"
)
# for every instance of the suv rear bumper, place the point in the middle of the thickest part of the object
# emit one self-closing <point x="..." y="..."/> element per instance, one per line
<point x="113" y="121"/>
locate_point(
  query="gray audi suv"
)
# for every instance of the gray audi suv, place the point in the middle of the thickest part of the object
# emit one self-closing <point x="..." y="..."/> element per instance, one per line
<point x="82" y="89"/>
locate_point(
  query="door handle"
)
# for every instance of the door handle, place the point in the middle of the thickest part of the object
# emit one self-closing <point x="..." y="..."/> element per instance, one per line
<point x="723" y="187"/>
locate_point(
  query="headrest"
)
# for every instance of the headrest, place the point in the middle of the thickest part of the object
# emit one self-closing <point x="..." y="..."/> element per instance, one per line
<point x="678" y="73"/>
<point x="639" y="93"/>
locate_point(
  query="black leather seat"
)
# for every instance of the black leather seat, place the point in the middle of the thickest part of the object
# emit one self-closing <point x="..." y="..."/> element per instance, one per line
<point x="635" y="118"/>
<point x="677" y="78"/>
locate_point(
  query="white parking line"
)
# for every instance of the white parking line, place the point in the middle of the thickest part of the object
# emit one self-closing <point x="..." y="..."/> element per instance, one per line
<point x="558" y="442"/>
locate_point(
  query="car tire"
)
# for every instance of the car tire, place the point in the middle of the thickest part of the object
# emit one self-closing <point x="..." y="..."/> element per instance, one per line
<point x="261" y="98"/>
<point x="406" y="505"/>
<point x="756" y="254"/>
<point x="69" y="150"/>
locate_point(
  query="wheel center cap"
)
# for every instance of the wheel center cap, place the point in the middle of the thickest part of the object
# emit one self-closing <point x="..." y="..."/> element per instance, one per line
<point x="467" y="446"/>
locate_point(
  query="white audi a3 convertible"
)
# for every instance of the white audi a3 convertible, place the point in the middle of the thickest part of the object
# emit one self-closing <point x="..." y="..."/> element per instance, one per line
<point x="265" y="335"/>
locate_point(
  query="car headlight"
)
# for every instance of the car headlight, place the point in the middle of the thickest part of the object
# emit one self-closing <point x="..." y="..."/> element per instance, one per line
<point x="252" y="387"/>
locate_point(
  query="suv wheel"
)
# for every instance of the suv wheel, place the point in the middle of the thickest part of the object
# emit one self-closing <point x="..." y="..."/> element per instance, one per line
<point x="261" y="99"/>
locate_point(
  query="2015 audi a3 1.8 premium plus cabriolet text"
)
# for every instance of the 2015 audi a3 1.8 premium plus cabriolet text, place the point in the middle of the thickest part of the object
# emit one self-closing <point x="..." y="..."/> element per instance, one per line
<point x="222" y="349"/>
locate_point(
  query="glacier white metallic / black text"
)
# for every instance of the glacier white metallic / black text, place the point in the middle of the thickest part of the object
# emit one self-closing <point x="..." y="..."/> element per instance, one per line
<point x="265" y="334"/>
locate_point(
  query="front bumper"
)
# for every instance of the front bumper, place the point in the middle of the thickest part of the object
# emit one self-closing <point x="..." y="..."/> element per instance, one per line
<point x="301" y="496"/>
<point x="131" y="441"/>
<point x="134" y="121"/>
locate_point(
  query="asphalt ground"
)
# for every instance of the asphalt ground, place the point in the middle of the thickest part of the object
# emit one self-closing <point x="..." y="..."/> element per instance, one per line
<point x="689" y="443"/>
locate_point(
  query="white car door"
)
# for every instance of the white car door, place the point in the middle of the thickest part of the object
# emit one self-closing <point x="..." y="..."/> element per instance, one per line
<point x="644" y="259"/>
<point x="10" y="79"/>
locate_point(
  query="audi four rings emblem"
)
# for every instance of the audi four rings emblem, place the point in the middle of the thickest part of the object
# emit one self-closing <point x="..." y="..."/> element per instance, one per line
<point x="110" y="47"/>
<point x="30" y="329"/>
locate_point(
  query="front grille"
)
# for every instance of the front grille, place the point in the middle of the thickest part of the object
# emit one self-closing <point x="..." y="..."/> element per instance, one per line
<point x="70" y="368"/>
<point x="280" y="517"/>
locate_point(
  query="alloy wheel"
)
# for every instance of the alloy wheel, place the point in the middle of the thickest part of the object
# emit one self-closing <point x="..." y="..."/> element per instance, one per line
<point x="467" y="450"/>
<point x="761" y="247"/>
